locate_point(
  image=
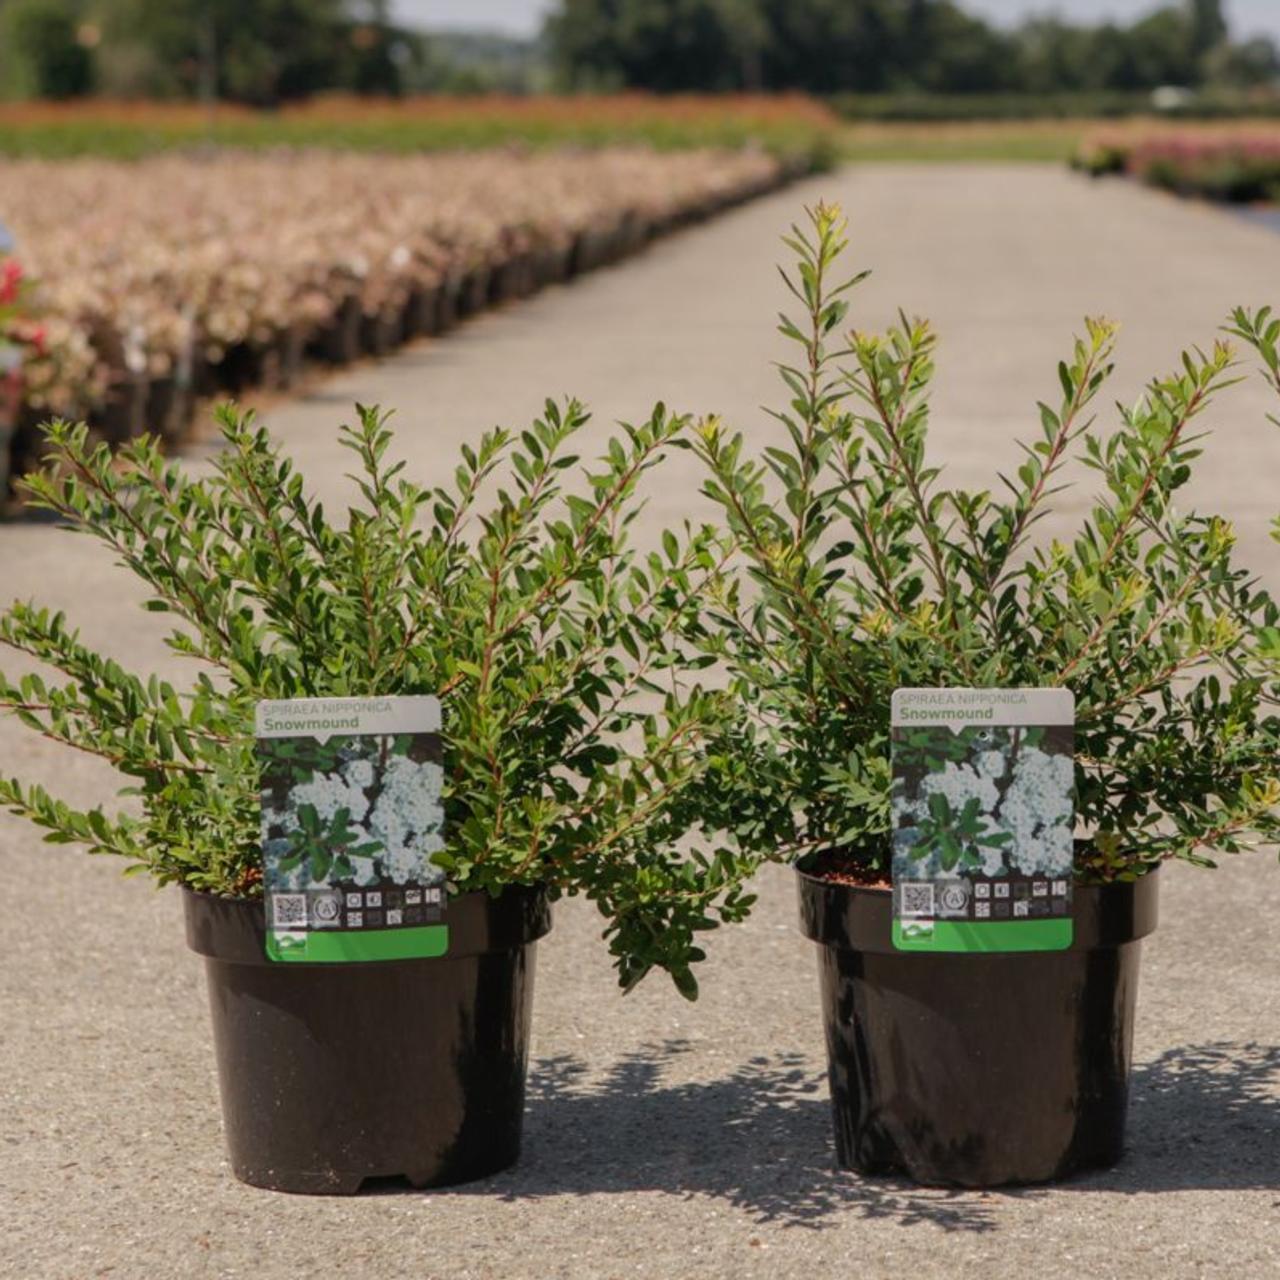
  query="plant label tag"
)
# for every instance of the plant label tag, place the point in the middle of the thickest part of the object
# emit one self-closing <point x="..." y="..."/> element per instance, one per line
<point x="983" y="807"/>
<point x="352" y="812"/>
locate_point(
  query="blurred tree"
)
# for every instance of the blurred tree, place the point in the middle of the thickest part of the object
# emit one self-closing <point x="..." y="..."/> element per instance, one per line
<point x="1208" y="25"/>
<point x="45" y="53"/>
<point x="829" y="45"/>
<point x="477" y="62"/>
<point x="877" y="45"/>
<point x="262" y="51"/>
<point x="1053" y="55"/>
<point x="664" y="45"/>
<point x="950" y="51"/>
<point x="257" y="51"/>
<point x="1250" y="64"/>
<point x="869" y="46"/>
<point x="268" y="51"/>
<point x="1161" y="50"/>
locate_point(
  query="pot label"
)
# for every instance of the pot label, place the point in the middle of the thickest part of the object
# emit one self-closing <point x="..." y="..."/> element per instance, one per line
<point x="983" y="819"/>
<point x="352" y="813"/>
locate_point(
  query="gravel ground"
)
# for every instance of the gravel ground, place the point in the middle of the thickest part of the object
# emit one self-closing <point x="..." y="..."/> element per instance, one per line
<point x="664" y="1139"/>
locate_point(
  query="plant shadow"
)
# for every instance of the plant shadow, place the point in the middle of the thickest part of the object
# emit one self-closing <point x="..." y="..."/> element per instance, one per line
<point x="1201" y="1118"/>
<point x="758" y="1138"/>
<point x="1205" y="1117"/>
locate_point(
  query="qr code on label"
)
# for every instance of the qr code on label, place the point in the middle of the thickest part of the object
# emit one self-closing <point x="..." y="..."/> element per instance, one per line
<point x="916" y="900"/>
<point x="289" y="910"/>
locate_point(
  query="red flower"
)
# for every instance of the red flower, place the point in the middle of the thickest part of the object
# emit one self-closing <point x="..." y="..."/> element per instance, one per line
<point x="10" y="279"/>
<point x="10" y="394"/>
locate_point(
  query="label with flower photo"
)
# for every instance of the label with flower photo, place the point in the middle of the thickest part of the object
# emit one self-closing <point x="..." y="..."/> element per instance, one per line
<point x="352" y="814"/>
<point x="983" y="819"/>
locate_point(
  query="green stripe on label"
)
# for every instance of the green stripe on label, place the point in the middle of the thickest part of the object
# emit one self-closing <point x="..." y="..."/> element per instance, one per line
<point x="986" y="935"/>
<point x="351" y="946"/>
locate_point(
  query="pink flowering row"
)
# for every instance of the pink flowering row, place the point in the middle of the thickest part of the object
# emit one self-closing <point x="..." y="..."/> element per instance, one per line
<point x="1237" y="165"/>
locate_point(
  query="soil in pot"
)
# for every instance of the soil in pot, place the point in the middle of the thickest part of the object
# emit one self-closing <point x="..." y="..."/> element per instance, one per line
<point x="334" y="1074"/>
<point x="978" y="1070"/>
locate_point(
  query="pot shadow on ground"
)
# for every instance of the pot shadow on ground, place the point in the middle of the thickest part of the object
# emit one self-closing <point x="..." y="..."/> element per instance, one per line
<point x="1202" y="1118"/>
<point x="759" y="1138"/>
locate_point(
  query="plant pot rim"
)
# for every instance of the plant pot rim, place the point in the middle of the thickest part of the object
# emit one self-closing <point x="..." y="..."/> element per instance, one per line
<point x="233" y="930"/>
<point x="860" y="917"/>
<point x="1153" y="869"/>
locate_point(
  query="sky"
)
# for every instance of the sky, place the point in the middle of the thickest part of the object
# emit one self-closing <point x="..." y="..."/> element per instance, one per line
<point x="523" y="17"/>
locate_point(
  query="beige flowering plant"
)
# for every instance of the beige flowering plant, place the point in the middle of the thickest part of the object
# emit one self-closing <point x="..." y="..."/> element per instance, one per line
<point x="148" y="258"/>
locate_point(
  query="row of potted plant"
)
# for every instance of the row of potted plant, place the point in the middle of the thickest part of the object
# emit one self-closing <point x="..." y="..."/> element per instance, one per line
<point x="1236" y="166"/>
<point x="793" y="126"/>
<point x="175" y="278"/>
<point x="15" y="338"/>
<point x="646" y="727"/>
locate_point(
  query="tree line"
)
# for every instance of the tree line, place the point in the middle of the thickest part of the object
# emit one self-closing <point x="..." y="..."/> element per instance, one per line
<point x="887" y="46"/>
<point x="261" y="52"/>
<point x="269" y="51"/>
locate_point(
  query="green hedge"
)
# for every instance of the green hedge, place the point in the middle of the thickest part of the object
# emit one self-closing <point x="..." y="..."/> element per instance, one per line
<point x="924" y="107"/>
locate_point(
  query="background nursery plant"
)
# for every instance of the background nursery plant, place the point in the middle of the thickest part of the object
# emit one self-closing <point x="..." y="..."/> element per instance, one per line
<point x="562" y="659"/>
<point x="868" y="573"/>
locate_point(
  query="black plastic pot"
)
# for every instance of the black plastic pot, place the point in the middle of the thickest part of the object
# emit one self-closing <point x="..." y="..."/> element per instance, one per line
<point x="333" y="1074"/>
<point x="382" y="332"/>
<point x="422" y="312"/>
<point x="592" y="249"/>
<point x="978" y="1070"/>
<point x="240" y="368"/>
<point x="338" y="340"/>
<point x="26" y="443"/>
<point x="473" y="295"/>
<point x="285" y="359"/>
<point x="164" y="408"/>
<point x="551" y="265"/>
<point x="449" y="310"/>
<point x="513" y="279"/>
<point x="122" y="416"/>
<point x="633" y="234"/>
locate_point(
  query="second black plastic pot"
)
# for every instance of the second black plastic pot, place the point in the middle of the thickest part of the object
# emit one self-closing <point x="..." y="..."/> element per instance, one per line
<point x="978" y="1070"/>
<point x="331" y="1075"/>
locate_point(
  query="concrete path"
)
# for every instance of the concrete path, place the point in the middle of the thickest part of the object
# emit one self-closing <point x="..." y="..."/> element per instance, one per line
<point x="665" y="1140"/>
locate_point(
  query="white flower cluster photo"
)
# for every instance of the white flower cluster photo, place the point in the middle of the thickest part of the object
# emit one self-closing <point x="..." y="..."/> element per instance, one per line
<point x="983" y="801"/>
<point x="357" y="810"/>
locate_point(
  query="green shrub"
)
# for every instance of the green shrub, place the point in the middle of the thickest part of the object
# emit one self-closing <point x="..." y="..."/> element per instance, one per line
<point x="867" y="573"/>
<point x="1081" y="104"/>
<point x="574" y="735"/>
